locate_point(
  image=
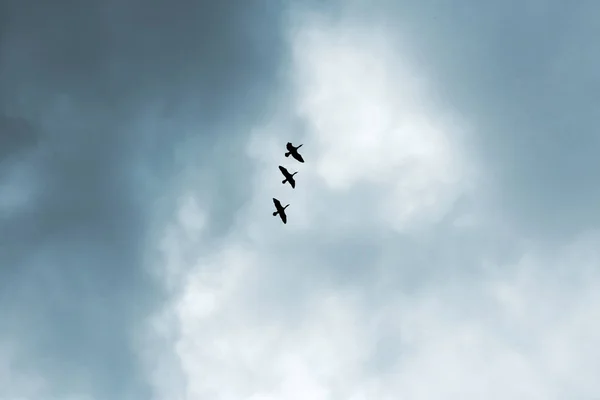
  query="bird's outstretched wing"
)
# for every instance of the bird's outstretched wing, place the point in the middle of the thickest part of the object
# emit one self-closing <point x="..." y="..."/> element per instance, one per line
<point x="283" y="217"/>
<point x="293" y="183"/>
<point x="298" y="157"/>
<point x="283" y="170"/>
<point x="289" y="146"/>
<point x="277" y="203"/>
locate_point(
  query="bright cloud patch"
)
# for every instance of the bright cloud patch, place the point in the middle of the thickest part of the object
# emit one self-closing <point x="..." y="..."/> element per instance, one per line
<point x="377" y="150"/>
<point x="371" y="120"/>
<point x="520" y="335"/>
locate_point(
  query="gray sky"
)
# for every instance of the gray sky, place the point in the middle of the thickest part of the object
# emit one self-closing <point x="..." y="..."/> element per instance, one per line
<point x="442" y="240"/>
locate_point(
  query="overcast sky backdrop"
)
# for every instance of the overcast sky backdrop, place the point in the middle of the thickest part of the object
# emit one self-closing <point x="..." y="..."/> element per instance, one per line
<point x="443" y="239"/>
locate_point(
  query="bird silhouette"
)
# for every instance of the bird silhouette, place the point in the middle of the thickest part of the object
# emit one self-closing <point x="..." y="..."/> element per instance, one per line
<point x="288" y="177"/>
<point x="293" y="151"/>
<point x="280" y="210"/>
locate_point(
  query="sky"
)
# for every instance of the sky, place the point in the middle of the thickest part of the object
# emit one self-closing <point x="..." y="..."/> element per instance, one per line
<point x="443" y="239"/>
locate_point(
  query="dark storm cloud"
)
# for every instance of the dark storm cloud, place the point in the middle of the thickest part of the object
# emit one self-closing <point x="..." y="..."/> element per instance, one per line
<point x="75" y="76"/>
<point x="528" y="75"/>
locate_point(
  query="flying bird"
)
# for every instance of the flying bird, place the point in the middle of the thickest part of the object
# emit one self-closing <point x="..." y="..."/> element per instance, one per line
<point x="280" y="210"/>
<point x="288" y="177"/>
<point x="293" y="151"/>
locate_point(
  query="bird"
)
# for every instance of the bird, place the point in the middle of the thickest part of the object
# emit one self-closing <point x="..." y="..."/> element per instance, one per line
<point x="280" y="210"/>
<point x="293" y="151"/>
<point x="288" y="177"/>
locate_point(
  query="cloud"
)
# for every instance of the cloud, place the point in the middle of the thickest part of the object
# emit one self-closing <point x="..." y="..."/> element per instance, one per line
<point x="522" y="78"/>
<point x="106" y="91"/>
<point x="441" y="240"/>
<point x="517" y="331"/>
<point x="414" y="153"/>
<point x="397" y="275"/>
<point x="429" y="299"/>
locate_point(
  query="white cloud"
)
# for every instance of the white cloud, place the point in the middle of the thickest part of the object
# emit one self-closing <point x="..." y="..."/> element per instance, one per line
<point x="371" y="119"/>
<point x="256" y="317"/>
<point x="524" y="337"/>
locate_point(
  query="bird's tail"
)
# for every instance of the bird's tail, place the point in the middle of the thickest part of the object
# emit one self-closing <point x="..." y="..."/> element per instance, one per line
<point x="284" y="181"/>
<point x="275" y="213"/>
<point x="287" y="154"/>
